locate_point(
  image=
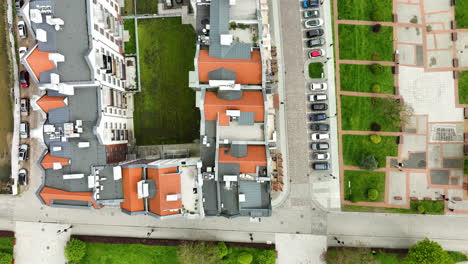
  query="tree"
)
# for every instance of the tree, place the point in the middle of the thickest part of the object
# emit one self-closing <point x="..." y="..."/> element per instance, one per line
<point x="376" y="68"/>
<point x="427" y="252"/>
<point x="222" y="250"/>
<point x="198" y="252"/>
<point x="245" y="258"/>
<point x="375" y="127"/>
<point x="376" y="28"/>
<point x="372" y="194"/>
<point x="375" y="88"/>
<point x="376" y="139"/>
<point x="368" y="162"/>
<point x="5" y="258"/>
<point x="75" y="251"/>
<point x="266" y="257"/>
<point x="396" y="112"/>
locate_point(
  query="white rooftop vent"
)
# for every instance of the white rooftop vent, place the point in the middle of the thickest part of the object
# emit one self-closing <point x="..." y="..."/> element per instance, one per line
<point x="241" y="197"/>
<point x="226" y="40"/>
<point x="84" y="144"/>
<point x="35" y="15"/>
<point x="54" y="78"/>
<point x="143" y="190"/>
<point x="172" y="197"/>
<point x="229" y="178"/>
<point x="66" y="89"/>
<point x="233" y="113"/>
<point x="117" y="172"/>
<point x="56" y="165"/>
<point x="57" y="22"/>
<point x="56" y="57"/>
<point x="232" y="2"/>
<point x="41" y="35"/>
<point x="230" y="87"/>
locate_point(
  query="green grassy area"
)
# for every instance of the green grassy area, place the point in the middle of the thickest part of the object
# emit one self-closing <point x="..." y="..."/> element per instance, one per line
<point x="358" y="42"/>
<point x="358" y="183"/>
<point x="129" y="8"/>
<point x="6" y="244"/>
<point x="367" y="10"/>
<point x="130" y="45"/>
<point x="358" y="113"/>
<point x="147" y="6"/>
<point x="358" y="78"/>
<point x="316" y="70"/>
<point x="461" y="13"/>
<point x="432" y="207"/>
<point x="466" y="166"/>
<point x="357" y="146"/>
<point x="165" y="111"/>
<point x="463" y="86"/>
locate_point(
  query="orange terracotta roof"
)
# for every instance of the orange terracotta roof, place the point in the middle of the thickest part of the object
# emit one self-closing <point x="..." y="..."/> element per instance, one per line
<point x="49" y="194"/>
<point x="130" y="178"/>
<point x="247" y="71"/>
<point x="256" y="156"/>
<point x="47" y="103"/>
<point x="251" y="101"/>
<point x="167" y="182"/>
<point x="49" y="160"/>
<point x="39" y="62"/>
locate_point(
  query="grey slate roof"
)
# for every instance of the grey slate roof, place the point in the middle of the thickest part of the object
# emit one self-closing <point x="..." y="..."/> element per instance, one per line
<point x="229" y="95"/>
<point x="210" y="203"/>
<point x="256" y="195"/>
<point x="219" y="25"/>
<point x="246" y="118"/>
<point x="229" y="199"/>
<point x="228" y="169"/>
<point x="222" y="74"/>
<point x="238" y="150"/>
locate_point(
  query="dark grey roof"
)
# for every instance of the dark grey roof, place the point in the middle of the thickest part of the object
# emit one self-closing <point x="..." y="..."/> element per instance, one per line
<point x="222" y="74"/>
<point x="151" y="188"/>
<point x="246" y="118"/>
<point x="208" y="154"/>
<point x="45" y="76"/>
<point x="256" y="195"/>
<point x="238" y="150"/>
<point x="210" y="202"/>
<point x="58" y="115"/>
<point x="229" y="95"/>
<point x="228" y="169"/>
<point x="219" y="25"/>
<point x="112" y="188"/>
<point x="229" y="199"/>
<point x="65" y="151"/>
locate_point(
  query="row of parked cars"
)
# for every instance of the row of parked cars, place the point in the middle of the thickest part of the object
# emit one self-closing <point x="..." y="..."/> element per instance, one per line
<point x="314" y="25"/>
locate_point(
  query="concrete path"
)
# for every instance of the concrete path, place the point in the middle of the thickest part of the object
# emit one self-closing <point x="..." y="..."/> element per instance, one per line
<point x="300" y="249"/>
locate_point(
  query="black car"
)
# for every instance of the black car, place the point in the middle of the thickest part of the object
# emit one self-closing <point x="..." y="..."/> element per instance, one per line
<point x="320" y="127"/>
<point x="313" y="33"/>
<point x="318" y="117"/>
<point x="321" y="166"/>
<point x="319" y="107"/>
<point x="19" y="4"/>
<point x="319" y="146"/>
<point x="317" y="42"/>
<point x="23" y="177"/>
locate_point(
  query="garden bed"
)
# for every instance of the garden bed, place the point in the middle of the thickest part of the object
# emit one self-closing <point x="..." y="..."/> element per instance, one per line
<point x="367" y="10"/>
<point x="461" y="13"/>
<point x="432" y="208"/>
<point x="359" y="42"/>
<point x="130" y="45"/>
<point x="146" y="7"/>
<point x="357" y="146"/>
<point x="359" y="78"/>
<point x="316" y="70"/>
<point x="357" y="185"/>
<point x="463" y="86"/>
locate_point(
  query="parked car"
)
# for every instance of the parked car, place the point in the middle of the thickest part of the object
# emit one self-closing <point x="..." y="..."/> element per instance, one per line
<point x="317" y="42"/>
<point x="318" y="117"/>
<point x="321" y="166"/>
<point x="321" y="156"/>
<point x="313" y="23"/>
<point x="318" y="86"/>
<point x="19" y="4"/>
<point x="22" y="51"/>
<point x="319" y="146"/>
<point x="24" y="130"/>
<point x="22" y="32"/>
<point x="316" y="53"/>
<point x="320" y="136"/>
<point x="319" y="107"/>
<point x="23" y="152"/>
<point x="24" y="79"/>
<point x="311" y="13"/>
<point x="24" y="106"/>
<point x="23" y="177"/>
<point x="310" y="3"/>
<point x="320" y="127"/>
<point x="317" y="97"/>
<point x="313" y="33"/>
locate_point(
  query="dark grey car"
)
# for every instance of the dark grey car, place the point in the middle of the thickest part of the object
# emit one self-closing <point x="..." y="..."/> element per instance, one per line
<point x="316" y="42"/>
<point x="319" y="146"/>
<point x="321" y="166"/>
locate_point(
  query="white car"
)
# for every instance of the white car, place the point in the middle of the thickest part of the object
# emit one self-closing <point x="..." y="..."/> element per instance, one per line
<point x="321" y="156"/>
<point x="313" y="23"/>
<point x="24" y="130"/>
<point x="23" y="152"/>
<point x="320" y="136"/>
<point x="317" y="97"/>
<point x="318" y="86"/>
<point x="22" y="29"/>
<point x="22" y="51"/>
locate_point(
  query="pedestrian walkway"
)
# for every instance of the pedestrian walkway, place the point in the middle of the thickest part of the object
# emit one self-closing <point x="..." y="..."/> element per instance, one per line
<point x="300" y="249"/>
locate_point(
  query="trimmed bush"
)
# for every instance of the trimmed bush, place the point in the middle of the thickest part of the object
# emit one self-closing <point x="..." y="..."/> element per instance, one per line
<point x="266" y="257"/>
<point x="427" y="252"/>
<point x="373" y="194"/>
<point x="375" y="127"/>
<point x="376" y="139"/>
<point x="376" y="88"/>
<point x="376" y="68"/>
<point x="421" y="209"/>
<point x="368" y="162"/>
<point x="245" y="258"/>
<point x="222" y="250"/>
<point x="75" y="251"/>
<point x="376" y="28"/>
<point x="5" y="258"/>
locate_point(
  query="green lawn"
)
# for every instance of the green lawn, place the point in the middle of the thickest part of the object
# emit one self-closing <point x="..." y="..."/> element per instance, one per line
<point x="316" y="70"/>
<point x="358" y="78"/>
<point x="358" y="42"/>
<point x="165" y="111"/>
<point x="367" y="10"/>
<point x="461" y="13"/>
<point x="361" y="182"/>
<point x="466" y="166"/>
<point x="357" y="146"/>
<point x="358" y="113"/>
<point x="147" y="6"/>
<point x="130" y="45"/>
<point x="463" y="86"/>
<point x="432" y="207"/>
<point x="128" y="9"/>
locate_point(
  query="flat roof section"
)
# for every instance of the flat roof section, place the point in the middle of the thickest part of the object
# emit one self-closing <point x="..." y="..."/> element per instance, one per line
<point x="247" y="71"/>
<point x="256" y="156"/>
<point x="251" y="101"/>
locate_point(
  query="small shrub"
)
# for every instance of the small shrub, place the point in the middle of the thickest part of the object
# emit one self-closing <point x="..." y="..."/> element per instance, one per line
<point x="375" y="57"/>
<point x="6" y="258"/>
<point x="375" y="127"/>
<point x="377" y="14"/>
<point x="368" y="162"/>
<point x="427" y="252"/>
<point x="457" y="256"/>
<point x="374" y="101"/>
<point x="376" y="139"/>
<point x="266" y="257"/>
<point x="376" y="28"/>
<point x="245" y="258"/>
<point x="376" y="68"/>
<point x="376" y="88"/>
<point x="372" y="194"/>
<point x="222" y="250"/>
<point x="75" y="250"/>
<point x="242" y="26"/>
<point x="233" y="25"/>
<point x="421" y="209"/>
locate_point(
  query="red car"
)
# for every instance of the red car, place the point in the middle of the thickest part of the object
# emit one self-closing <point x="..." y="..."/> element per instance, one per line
<point x="316" y="53"/>
<point x="24" y="79"/>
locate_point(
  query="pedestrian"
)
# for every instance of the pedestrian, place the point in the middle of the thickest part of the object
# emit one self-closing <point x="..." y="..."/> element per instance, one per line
<point x="331" y="44"/>
<point x="325" y="62"/>
<point x="335" y="238"/>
